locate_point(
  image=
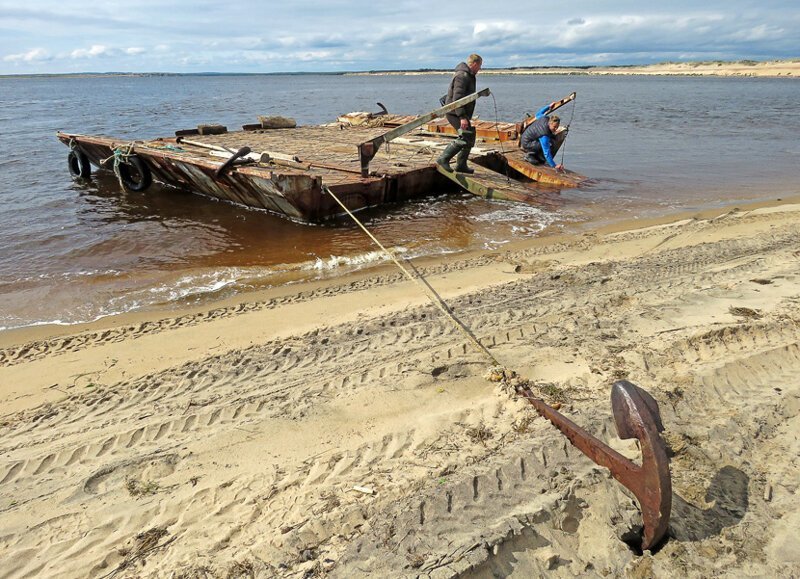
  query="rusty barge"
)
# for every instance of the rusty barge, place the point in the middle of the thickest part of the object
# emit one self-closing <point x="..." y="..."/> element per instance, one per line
<point x="364" y="159"/>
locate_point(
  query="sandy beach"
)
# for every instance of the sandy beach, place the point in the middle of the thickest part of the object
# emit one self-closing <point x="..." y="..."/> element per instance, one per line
<point x="348" y="429"/>
<point x="768" y="68"/>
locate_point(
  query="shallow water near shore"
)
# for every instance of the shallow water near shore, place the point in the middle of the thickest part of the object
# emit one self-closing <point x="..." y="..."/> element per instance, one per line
<point x="75" y="252"/>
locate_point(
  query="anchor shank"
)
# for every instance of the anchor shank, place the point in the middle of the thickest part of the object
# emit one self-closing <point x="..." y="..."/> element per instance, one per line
<point x="623" y="469"/>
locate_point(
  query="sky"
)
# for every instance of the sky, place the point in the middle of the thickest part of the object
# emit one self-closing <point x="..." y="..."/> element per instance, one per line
<point x="191" y="36"/>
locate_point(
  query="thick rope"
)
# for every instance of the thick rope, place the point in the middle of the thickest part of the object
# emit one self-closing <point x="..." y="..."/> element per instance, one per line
<point x="569" y="124"/>
<point x="499" y="139"/>
<point x="431" y="295"/>
<point x="118" y="157"/>
<point x="497" y="126"/>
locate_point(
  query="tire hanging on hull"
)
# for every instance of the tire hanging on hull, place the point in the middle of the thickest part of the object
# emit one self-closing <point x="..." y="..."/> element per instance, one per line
<point x="137" y="180"/>
<point x="79" y="165"/>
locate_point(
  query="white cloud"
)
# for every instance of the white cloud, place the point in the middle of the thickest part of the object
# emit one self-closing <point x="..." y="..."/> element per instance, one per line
<point x="758" y="33"/>
<point x="313" y="55"/>
<point x="309" y="35"/>
<point x="95" y="50"/>
<point x="35" y="55"/>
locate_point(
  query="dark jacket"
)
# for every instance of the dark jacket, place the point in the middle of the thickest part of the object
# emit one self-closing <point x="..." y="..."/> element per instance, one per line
<point x="462" y="84"/>
<point x="539" y="130"/>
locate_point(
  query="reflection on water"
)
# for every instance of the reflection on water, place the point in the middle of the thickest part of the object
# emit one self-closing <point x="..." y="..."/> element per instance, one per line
<point x="73" y="252"/>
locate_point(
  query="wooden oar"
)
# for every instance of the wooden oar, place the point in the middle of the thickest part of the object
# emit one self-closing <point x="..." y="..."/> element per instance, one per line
<point x="553" y="107"/>
<point x="180" y="140"/>
<point x="558" y="104"/>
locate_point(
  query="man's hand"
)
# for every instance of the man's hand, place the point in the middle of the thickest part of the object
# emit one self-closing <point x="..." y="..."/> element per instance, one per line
<point x="560" y="168"/>
<point x="464" y="124"/>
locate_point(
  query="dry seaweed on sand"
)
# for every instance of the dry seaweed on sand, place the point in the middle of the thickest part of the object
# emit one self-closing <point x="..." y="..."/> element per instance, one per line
<point x="138" y="488"/>
<point x="143" y="544"/>
<point x="479" y="433"/>
<point x="742" y="312"/>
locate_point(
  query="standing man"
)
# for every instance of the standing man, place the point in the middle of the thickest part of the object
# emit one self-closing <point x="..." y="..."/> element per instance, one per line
<point x="539" y="139"/>
<point x="462" y="84"/>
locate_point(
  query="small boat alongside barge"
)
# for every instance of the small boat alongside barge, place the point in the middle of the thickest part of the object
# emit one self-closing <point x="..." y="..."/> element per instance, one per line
<point x="364" y="159"/>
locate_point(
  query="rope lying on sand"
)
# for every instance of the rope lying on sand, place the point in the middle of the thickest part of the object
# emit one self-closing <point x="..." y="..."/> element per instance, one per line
<point x="429" y="291"/>
<point x="635" y="412"/>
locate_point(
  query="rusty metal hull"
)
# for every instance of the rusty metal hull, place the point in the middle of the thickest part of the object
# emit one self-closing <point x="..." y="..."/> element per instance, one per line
<point x="294" y="194"/>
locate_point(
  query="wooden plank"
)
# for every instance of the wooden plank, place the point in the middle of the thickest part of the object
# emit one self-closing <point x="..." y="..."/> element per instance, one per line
<point x="487" y="130"/>
<point x="490" y="185"/>
<point x="544" y="173"/>
<point x="369" y="148"/>
<point x="554" y="106"/>
<point x="419" y="143"/>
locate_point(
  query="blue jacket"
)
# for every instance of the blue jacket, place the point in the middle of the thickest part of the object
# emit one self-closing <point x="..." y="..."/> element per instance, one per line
<point x="539" y="129"/>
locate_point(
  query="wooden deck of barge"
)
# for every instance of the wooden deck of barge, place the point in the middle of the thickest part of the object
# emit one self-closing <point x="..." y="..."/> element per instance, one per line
<point x="288" y="170"/>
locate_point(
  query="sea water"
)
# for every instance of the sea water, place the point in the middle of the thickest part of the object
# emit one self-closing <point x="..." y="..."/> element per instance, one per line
<point x="72" y="252"/>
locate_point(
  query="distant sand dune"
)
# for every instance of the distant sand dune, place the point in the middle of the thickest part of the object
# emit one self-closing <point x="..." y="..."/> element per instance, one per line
<point x="774" y="68"/>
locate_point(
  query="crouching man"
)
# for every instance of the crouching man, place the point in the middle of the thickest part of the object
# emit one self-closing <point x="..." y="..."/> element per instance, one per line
<point x="542" y="138"/>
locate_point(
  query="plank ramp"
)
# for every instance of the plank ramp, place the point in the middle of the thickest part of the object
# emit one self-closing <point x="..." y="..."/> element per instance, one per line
<point x="542" y="173"/>
<point x="491" y="185"/>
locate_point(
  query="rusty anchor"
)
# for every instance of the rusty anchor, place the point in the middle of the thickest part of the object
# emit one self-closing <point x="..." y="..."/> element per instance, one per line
<point x="636" y="415"/>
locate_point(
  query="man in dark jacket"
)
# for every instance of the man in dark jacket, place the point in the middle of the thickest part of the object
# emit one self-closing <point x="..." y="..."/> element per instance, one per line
<point x="539" y="139"/>
<point x="462" y="84"/>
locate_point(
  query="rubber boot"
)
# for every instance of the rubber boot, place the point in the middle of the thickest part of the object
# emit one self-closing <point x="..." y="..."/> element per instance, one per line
<point x="461" y="161"/>
<point x="444" y="159"/>
<point x="533" y="159"/>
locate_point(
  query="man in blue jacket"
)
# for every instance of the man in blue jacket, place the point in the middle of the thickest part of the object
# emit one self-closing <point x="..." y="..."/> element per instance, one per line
<point x="539" y="139"/>
<point x="462" y="84"/>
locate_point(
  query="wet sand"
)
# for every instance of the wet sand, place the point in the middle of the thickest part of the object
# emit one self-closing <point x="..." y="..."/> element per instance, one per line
<point x="347" y="428"/>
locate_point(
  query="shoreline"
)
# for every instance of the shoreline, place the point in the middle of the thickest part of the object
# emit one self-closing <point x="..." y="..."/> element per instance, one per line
<point x="784" y="68"/>
<point x="789" y="68"/>
<point x="572" y="231"/>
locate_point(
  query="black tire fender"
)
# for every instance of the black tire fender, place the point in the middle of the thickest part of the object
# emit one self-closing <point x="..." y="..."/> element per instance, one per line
<point x="139" y="182"/>
<point x="78" y="163"/>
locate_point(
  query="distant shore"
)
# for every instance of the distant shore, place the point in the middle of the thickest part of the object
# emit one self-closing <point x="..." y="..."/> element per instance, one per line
<point x="750" y="68"/>
<point x="773" y="68"/>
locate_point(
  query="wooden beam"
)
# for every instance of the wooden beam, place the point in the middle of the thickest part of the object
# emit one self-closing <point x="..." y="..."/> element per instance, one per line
<point x="545" y="174"/>
<point x="368" y="149"/>
<point x="490" y="185"/>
